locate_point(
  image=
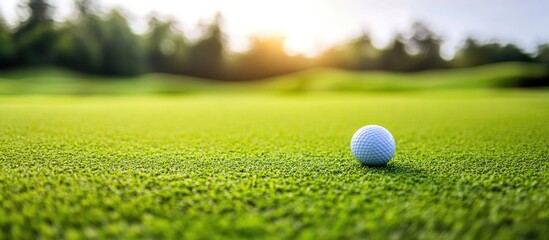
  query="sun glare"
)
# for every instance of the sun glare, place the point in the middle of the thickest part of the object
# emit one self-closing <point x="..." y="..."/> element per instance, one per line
<point x="308" y="26"/>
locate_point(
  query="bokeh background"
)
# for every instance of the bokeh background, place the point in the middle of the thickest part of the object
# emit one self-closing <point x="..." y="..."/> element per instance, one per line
<point x="88" y="46"/>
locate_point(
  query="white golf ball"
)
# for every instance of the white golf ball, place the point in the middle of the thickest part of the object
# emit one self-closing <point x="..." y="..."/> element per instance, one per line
<point x="373" y="145"/>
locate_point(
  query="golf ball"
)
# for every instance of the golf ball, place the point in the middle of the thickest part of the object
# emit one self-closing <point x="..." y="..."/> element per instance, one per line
<point x="373" y="145"/>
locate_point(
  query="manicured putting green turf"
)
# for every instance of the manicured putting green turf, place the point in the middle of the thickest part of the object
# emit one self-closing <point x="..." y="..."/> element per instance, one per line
<point x="473" y="166"/>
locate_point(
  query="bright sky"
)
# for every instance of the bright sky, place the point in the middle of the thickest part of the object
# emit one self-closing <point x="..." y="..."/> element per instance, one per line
<point x="312" y="25"/>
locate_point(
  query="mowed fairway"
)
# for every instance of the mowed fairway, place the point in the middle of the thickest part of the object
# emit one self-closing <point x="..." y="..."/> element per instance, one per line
<point x="274" y="166"/>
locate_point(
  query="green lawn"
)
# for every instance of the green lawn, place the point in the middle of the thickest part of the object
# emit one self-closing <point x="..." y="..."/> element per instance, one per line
<point x="47" y="81"/>
<point x="468" y="165"/>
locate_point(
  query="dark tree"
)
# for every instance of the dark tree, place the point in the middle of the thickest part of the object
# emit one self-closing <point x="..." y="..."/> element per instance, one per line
<point x="122" y="51"/>
<point x="40" y="10"/>
<point x="475" y="54"/>
<point x="426" y="47"/>
<point x="86" y="7"/>
<point x="7" y="48"/>
<point x="166" y="48"/>
<point x="512" y="53"/>
<point x="89" y="36"/>
<point x="395" y="57"/>
<point x="365" y="54"/>
<point x="35" y="36"/>
<point x="543" y="53"/>
<point x="206" y="55"/>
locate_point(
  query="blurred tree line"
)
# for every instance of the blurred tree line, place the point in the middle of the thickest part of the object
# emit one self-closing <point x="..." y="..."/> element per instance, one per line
<point x="105" y="44"/>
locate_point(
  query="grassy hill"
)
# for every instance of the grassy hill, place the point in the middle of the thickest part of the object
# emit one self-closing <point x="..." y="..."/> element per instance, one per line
<point x="47" y="80"/>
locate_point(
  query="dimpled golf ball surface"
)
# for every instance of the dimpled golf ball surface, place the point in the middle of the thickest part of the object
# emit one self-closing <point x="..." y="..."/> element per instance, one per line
<point x="373" y="145"/>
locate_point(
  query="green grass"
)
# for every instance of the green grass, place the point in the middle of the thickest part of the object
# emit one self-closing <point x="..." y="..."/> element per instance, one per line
<point x="468" y="165"/>
<point x="57" y="81"/>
